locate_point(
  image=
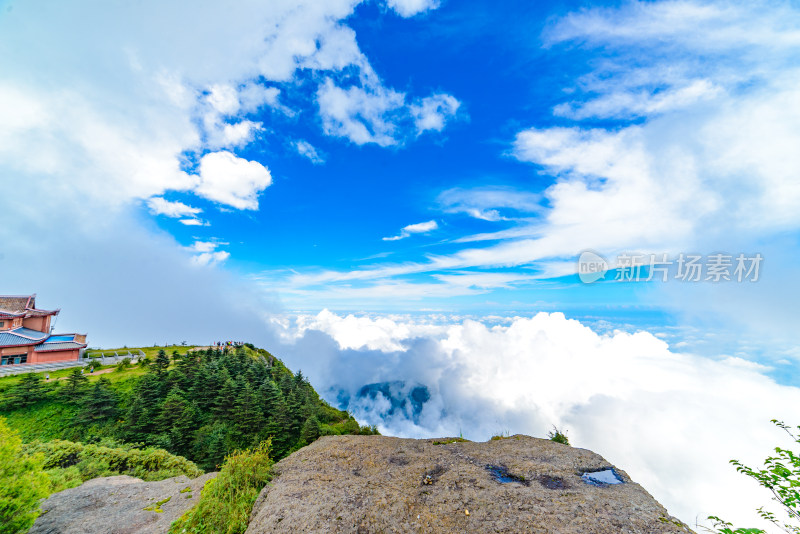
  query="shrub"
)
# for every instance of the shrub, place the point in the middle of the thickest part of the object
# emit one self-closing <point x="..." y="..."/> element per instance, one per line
<point x="22" y="483"/>
<point x="68" y="462"/>
<point x="780" y="475"/>
<point x="558" y="436"/>
<point x="226" y="501"/>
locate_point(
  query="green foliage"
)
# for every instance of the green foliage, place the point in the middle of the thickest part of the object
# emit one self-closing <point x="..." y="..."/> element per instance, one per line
<point x="29" y="390"/>
<point x="22" y="483"/>
<point x="780" y="475"/>
<point x="226" y="501"/>
<point x="205" y="406"/>
<point x="558" y="436"/>
<point x="69" y="464"/>
<point x="99" y="404"/>
<point x="75" y="387"/>
<point x="162" y="361"/>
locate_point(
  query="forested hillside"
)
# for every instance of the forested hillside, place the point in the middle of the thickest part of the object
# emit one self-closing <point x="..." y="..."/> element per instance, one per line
<point x="202" y="405"/>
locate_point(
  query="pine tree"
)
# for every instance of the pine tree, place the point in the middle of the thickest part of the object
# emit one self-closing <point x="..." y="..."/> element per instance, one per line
<point x="100" y="403"/>
<point x="27" y="391"/>
<point x="225" y="401"/>
<point x="278" y="429"/>
<point x="248" y="417"/>
<point x="176" y="421"/>
<point x="162" y="362"/>
<point x="75" y="386"/>
<point x="311" y="430"/>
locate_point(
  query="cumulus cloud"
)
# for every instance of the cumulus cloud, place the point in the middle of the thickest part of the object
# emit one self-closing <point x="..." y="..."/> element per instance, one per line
<point x="184" y="88"/>
<point x="432" y="112"/>
<point x="418" y="228"/>
<point x="371" y="113"/>
<point x="207" y="253"/>
<point x="671" y="420"/>
<point x="362" y="115"/>
<point x="161" y="206"/>
<point x="231" y="180"/>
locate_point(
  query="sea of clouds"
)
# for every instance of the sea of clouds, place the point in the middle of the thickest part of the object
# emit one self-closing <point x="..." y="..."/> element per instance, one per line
<point x="671" y="420"/>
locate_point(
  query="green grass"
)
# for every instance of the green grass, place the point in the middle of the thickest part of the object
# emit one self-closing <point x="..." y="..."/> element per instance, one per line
<point x="42" y="421"/>
<point x="226" y="501"/>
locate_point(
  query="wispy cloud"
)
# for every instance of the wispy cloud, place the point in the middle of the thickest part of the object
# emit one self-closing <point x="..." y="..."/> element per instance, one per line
<point x="487" y="202"/>
<point x="411" y="229"/>
<point x="160" y="206"/>
<point x="307" y="150"/>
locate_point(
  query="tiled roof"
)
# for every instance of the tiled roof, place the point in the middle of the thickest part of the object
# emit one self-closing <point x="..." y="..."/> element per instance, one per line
<point x="31" y="334"/>
<point x="17" y="303"/>
<point x="21" y="336"/>
<point x="59" y="346"/>
<point x="22" y="306"/>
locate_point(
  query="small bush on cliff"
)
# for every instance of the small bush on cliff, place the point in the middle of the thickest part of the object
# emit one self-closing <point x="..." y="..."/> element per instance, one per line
<point x="22" y="483"/>
<point x="558" y="436"/>
<point x="226" y="501"/>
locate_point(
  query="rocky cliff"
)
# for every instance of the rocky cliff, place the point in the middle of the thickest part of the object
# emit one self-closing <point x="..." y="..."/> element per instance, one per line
<point x="371" y="484"/>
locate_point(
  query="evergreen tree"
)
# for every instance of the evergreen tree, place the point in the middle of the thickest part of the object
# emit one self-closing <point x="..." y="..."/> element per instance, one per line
<point x="248" y="417"/>
<point x="177" y="421"/>
<point x="99" y="404"/>
<point x="143" y="410"/>
<point x="162" y="362"/>
<point x="225" y="401"/>
<point x="75" y="386"/>
<point x="311" y="430"/>
<point x="28" y="391"/>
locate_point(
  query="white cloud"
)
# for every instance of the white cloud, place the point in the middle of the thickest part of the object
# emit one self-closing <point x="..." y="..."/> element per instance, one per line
<point x="223" y="98"/>
<point x="363" y="115"/>
<point x="486" y="202"/>
<point x="432" y="112"/>
<point x="231" y="180"/>
<point x="372" y="113"/>
<point x="418" y="228"/>
<point x="206" y="253"/>
<point x="625" y="104"/>
<point x="409" y="8"/>
<point x="307" y="150"/>
<point x="161" y="206"/>
<point x="186" y="79"/>
<point x="672" y="421"/>
<point x="193" y="222"/>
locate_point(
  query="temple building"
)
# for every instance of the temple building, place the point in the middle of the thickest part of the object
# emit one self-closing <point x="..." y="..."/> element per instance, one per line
<point x="25" y="334"/>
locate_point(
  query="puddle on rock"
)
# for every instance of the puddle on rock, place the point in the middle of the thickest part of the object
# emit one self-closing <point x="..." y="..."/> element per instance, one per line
<point x="501" y="474"/>
<point x="603" y="477"/>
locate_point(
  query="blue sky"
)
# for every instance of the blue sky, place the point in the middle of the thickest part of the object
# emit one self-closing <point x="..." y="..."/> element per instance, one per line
<point x="392" y="191"/>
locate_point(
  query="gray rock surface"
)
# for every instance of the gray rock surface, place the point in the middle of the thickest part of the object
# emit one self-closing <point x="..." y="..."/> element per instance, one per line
<point x="372" y="484"/>
<point x="116" y="505"/>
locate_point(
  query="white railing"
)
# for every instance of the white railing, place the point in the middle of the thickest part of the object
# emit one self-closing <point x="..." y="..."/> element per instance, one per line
<point x="118" y="356"/>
